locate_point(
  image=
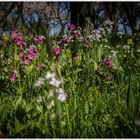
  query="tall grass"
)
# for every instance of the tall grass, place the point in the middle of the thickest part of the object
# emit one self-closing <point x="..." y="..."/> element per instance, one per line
<point x="95" y="107"/>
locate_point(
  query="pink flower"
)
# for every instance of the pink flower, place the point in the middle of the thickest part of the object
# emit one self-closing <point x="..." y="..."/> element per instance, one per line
<point x="10" y="41"/>
<point x="30" y="49"/>
<point x="15" y="71"/>
<point x="32" y="53"/>
<point x="12" y="77"/>
<point x="108" y="62"/>
<point x="71" y="27"/>
<point x="1" y="43"/>
<point x="97" y="70"/>
<point x="14" y="34"/>
<point x="40" y="66"/>
<point x="31" y="56"/>
<point x="108" y="76"/>
<point x="84" y="42"/>
<point x="21" y="56"/>
<point x="19" y="42"/>
<point x="29" y="34"/>
<point x="25" y="62"/>
<point x="38" y="39"/>
<point x="6" y="70"/>
<point x="76" y="33"/>
<point x="57" y="51"/>
<point x="68" y="39"/>
<point x="35" y="53"/>
<point x="74" y="57"/>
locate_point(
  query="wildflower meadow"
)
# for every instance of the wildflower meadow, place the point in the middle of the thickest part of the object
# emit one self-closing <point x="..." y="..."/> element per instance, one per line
<point x="78" y="85"/>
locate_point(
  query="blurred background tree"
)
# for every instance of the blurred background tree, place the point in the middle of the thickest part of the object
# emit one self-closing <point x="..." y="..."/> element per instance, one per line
<point x="52" y="17"/>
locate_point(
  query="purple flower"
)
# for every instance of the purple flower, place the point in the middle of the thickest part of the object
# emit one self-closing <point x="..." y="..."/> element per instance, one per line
<point x="14" y="34"/>
<point x="40" y="66"/>
<point x="10" y="41"/>
<point x="74" y="56"/>
<point x="84" y="42"/>
<point x="57" y="51"/>
<point x="108" y="76"/>
<point x="20" y="42"/>
<point x="25" y="62"/>
<point x="68" y="39"/>
<point x="1" y="43"/>
<point x="31" y="56"/>
<point x="24" y="58"/>
<point x="32" y="53"/>
<point x="15" y="71"/>
<point x="108" y="62"/>
<point x="21" y="56"/>
<point x="76" y="33"/>
<point x="35" y="52"/>
<point x="38" y="39"/>
<point x="12" y="77"/>
<point x="71" y="27"/>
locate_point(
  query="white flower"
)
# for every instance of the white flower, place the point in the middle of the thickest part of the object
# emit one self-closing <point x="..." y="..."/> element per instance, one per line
<point x="55" y="82"/>
<point x="138" y="50"/>
<point x="50" y="94"/>
<point x="126" y="46"/>
<point x="113" y="53"/>
<point x="53" y="116"/>
<point x="60" y="91"/>
<point x="39" y="82"/>
<point x="41" y="79"/>
<point x="120" y="34"/>
<point x="108" y="22"/>
<point x="50" y="75"/>
<point x="39" y="99"/>
<point x="49" y="106"/>
<point x="62" y="97"/>
<point x="42" y="37"/>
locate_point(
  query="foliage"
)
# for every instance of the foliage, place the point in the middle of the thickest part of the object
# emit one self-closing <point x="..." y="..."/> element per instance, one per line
<point x="83" y="86"/>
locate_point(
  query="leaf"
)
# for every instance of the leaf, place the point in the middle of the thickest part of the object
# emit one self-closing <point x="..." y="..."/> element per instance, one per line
<point x="99" y="53"/>
<point x="95" y="66"/>
<point x="115" y="63"/>
<point x="29" y="108"/>
<point x="68" y="54"/>
<point x="18" y="101"/>
<point x="77" y="71"/>
<point x="39" y="108"/>
<point x="96" y="92"/>
<point x="28" y="69"/>
<point x="16" y="58"/>
<point x="86" y="108"/>
<point x="18" y="126"/>
<point x="78" y="61"/>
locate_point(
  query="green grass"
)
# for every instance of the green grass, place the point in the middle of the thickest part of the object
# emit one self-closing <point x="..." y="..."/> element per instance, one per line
<point x="94" y="108"/>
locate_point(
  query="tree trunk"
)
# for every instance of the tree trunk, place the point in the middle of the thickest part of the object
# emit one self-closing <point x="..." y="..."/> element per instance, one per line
<point x="74" y="12"/>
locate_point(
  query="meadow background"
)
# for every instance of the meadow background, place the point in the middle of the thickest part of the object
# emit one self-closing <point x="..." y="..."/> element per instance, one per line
<point x="69" y="70"/>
